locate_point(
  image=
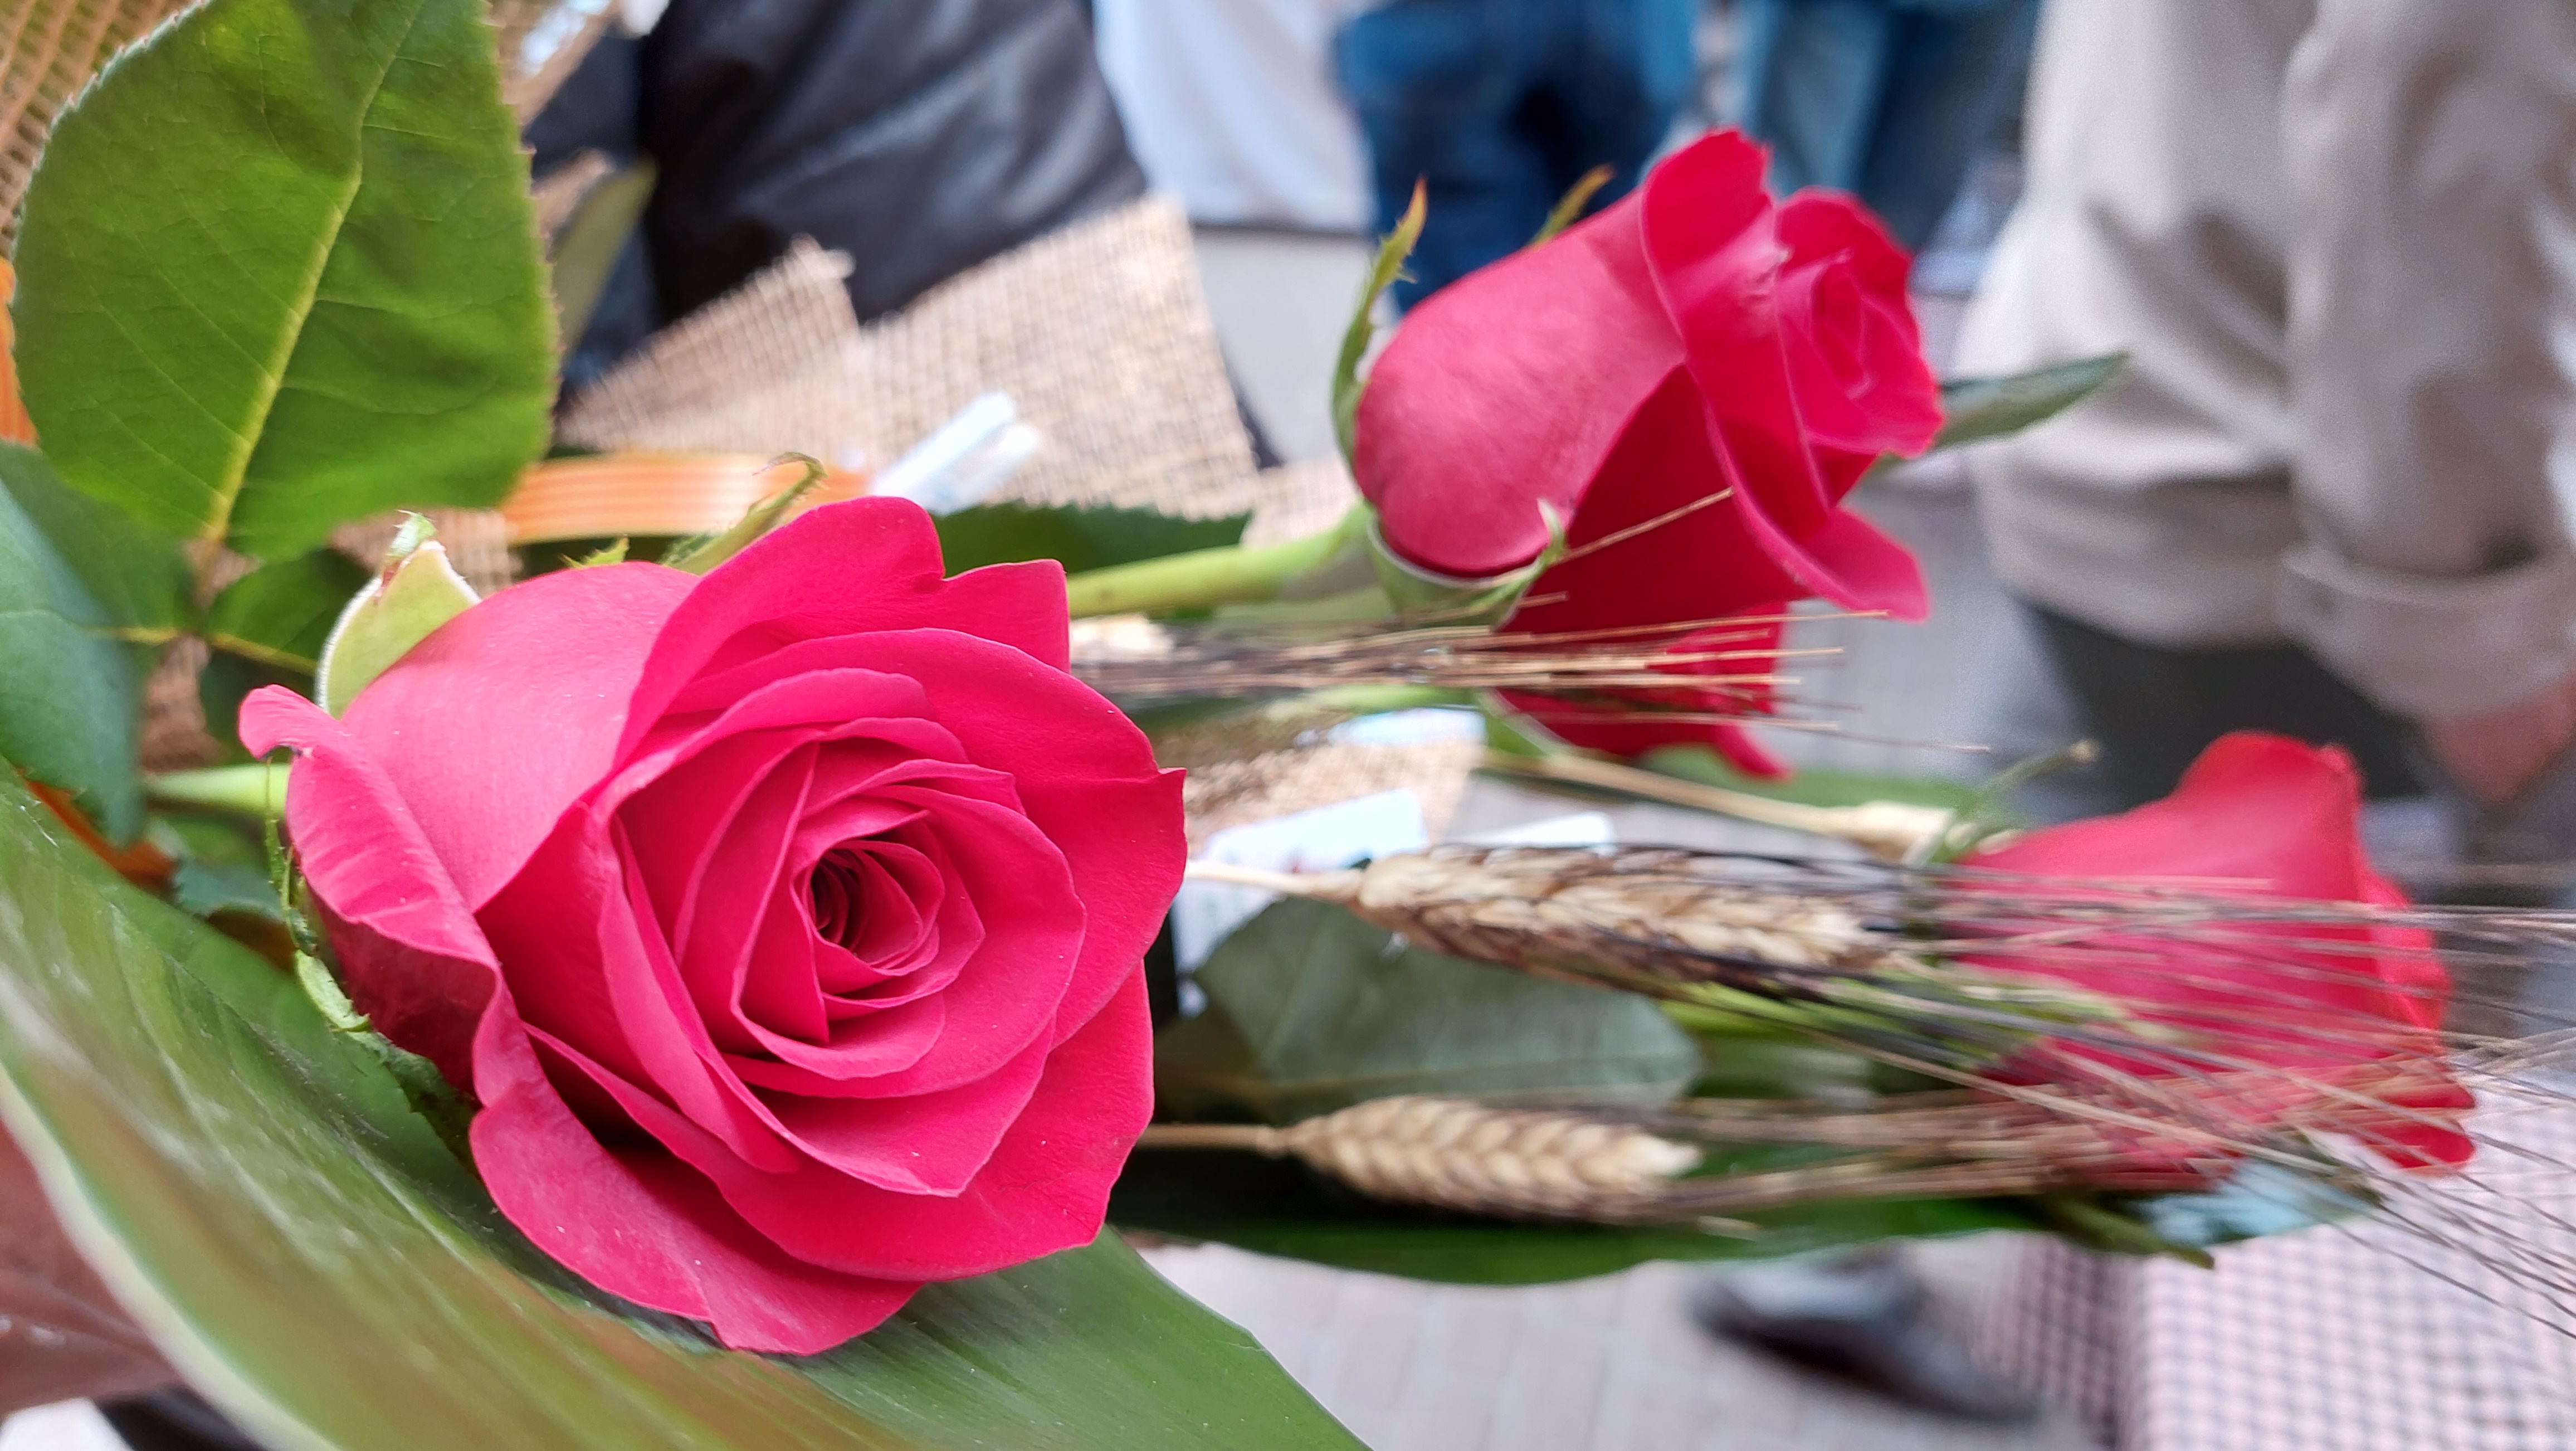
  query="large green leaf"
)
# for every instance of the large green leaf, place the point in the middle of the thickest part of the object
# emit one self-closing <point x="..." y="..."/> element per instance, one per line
<point x="1812" y="785"/>
<point x="70" y="694"/>
<point x="309" y="1254"/>
<point x="279" y="270"/>
<point x="137" y="575"/>
<point x="1309" y="1009"/>
<point x="269" y="628"/>
<point x="1081" y="537"/>
<point x="1279" y="1208"/>
<point x="281" y="614"/>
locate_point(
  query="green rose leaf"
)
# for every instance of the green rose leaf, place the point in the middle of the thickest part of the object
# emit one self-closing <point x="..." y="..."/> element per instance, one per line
<point x="1980" y="408"/>
<point x="137" y="575"/>
<point x="1280" y="1208"/>
<point x="279" y="270"/>
<point x="269" y="628"/>
<point x="1311" y="1009"/>
<point x="313" y="1258"/>
<point x="1080" y="537"/>
<point x="70" y="693"/>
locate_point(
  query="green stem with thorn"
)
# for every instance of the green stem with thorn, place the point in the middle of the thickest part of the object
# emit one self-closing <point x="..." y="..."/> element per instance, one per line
<point x="1234" y="574"/>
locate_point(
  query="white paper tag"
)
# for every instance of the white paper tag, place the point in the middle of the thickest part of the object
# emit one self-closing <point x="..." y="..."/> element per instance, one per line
<point x="1321" y="840"/>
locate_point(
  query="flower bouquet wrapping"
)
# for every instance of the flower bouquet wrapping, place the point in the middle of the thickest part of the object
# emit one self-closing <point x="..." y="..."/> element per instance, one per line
<point x="701" y="1001"/>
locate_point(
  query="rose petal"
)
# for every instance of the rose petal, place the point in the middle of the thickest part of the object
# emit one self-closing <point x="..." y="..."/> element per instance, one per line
<point x="1885" y="399"/>
<point x="547" y="667"/>
<point x="1084" y="772"/>
<point x="928" y="1144"/>
<point x="643" y="1226"/>
<point x="804" y="582"/>
<point x="1087" y="779"/>
<point x="412" y="957"/>
<point x="1045" y="1188"/>
<point x="586" y="963"/>
<point x="2255" y="816"/>
<point x="1005" y="998"/>
<point x="1538" y="359"/>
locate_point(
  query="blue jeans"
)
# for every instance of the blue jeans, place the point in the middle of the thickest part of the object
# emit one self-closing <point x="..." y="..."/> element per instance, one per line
<point x="1887" y="99"/>
<point x="1499" y="106"/>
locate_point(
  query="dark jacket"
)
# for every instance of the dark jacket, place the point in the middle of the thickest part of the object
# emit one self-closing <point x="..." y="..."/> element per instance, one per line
<point x="919" y="136"/>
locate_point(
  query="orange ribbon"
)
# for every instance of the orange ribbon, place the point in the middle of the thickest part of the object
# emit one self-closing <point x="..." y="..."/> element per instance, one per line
<point x="651" y="495"/>
<point x="15" y="425"/>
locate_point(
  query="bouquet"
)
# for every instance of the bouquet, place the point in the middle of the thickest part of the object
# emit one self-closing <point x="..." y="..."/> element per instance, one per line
<point x="699" y="1000"/>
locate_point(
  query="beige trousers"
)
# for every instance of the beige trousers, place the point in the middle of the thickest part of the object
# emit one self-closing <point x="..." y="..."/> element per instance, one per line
<point x="2338" y="240"/>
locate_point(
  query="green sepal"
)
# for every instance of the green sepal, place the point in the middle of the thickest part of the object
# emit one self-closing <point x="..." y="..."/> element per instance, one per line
<point x="1391" y="252"/>
<point x="415" y="592"/>
<point x="1079" y="537"/>
<point x="1569" y="207"/>
<point x="1980" y="408"/>
<point x="705" y="551"/>
<point x="1976" y="409"/>
<point x="585" y="249"/>
<point x="1431" y="598"/>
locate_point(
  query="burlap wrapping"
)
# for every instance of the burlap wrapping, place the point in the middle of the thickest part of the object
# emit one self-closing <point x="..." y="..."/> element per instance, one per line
<point x="1097" y="332"/>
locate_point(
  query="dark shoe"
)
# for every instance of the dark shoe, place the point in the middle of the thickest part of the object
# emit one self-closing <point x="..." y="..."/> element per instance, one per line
<point x="173" y="1420"/>
<point x="1865" y="1318"/>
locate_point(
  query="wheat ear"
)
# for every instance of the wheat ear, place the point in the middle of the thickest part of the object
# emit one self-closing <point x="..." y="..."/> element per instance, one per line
<point x="1455" y="1154"/>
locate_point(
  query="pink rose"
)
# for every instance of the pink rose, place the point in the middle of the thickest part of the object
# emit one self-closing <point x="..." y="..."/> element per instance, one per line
<point x="1692" y="344"/>
<point x="785" y="923"/>
<point x="2309" y="1018"/>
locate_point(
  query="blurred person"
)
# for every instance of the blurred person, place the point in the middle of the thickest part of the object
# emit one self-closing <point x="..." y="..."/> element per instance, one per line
<point x="2337" y="240"/>
<point x="1234" y="109"/>
<point x="1890" y="100"/>
<point x="1498" y="107"/>
<point x="919" y="139"/>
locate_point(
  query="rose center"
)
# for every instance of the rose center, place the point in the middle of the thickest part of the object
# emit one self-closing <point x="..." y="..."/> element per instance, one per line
<point x="839" y="894"/>
<point x="1839" y="325"/>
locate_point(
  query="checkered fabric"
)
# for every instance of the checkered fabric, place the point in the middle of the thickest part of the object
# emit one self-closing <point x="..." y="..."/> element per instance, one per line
<point x="2339" y="1338"/>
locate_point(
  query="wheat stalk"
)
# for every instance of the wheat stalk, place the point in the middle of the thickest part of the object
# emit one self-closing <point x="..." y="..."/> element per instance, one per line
<point x="1600" y="1166"/>
<point x="1457" y="1154"/>
<point x="1654" y="921"/>
<point x="1135" y="659"/>
<point x="2255" y="1028"/>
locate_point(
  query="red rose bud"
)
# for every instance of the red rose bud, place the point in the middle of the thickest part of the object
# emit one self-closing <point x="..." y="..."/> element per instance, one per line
<point x="785" y="923"/>
<point x="2306" y="1018"/>
<point x="1693" y="340"/>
